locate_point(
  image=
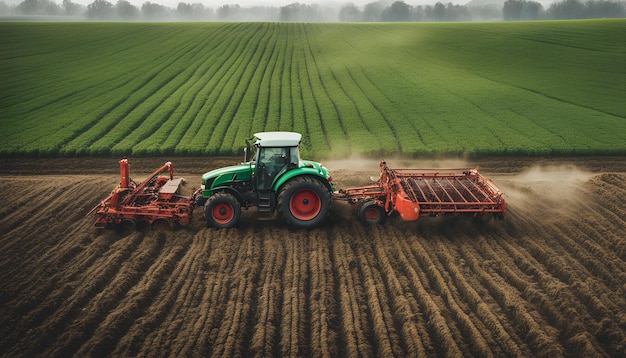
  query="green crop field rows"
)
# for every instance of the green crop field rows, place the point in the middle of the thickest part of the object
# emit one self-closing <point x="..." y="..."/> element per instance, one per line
<point x="519" y="88"/>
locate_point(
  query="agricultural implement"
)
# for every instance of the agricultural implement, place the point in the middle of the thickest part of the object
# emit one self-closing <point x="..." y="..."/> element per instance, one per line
<point x="275" y="179"/>
<point x="156" y="201"/>
<point x="413" y="192"/>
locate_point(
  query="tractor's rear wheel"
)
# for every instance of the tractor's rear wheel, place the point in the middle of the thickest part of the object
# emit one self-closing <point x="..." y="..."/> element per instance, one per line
<point x="304" y="202"/>
<point x="222" y="211"/>
<point x="371" y="213"/>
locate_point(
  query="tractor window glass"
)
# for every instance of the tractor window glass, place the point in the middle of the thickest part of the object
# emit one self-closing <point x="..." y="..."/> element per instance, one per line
<point x="271" y="162"/>
<point x="294" y="156"/>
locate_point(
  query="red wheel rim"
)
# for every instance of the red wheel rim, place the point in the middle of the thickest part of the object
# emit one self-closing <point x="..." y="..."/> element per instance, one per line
<point x="305" y="204"/>
<point x="372" y="214"/>
<point x="223" y="213"/>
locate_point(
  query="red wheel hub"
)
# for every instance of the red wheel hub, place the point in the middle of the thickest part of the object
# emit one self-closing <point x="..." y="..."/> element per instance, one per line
<point x="305" y="204"/>
<point x="372" y="214"/>
<point x="223" y="213"/>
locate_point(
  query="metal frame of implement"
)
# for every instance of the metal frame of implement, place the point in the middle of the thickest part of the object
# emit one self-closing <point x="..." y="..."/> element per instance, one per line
<point x="156" y="200"/>
<point x="412" y="192"/>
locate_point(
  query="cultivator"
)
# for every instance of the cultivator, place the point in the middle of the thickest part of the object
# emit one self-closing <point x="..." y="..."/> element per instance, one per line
<point x="412" y="192"/>
<point x="156" y="201"/>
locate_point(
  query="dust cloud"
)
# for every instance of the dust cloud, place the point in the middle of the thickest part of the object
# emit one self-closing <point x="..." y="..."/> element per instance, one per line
<point x="540" y="189"/>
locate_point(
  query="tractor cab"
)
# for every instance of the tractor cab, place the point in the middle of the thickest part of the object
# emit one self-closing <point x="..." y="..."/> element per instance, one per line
<point x="276" y="153"/>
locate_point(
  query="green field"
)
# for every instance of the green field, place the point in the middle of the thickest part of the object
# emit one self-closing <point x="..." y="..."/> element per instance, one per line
<point x="519" y="88"/>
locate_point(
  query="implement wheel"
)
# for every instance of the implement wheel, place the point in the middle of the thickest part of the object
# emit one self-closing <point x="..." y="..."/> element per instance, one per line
<point x="222" y="211"/>
<point x="161" y="225"/>
<point x="304" y="202"/>
<point x="370" y="213"/>
<point x="128" y="225"/>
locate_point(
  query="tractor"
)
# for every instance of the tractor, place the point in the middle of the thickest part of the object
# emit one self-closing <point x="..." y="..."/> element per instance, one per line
<point x="273" y="178"/>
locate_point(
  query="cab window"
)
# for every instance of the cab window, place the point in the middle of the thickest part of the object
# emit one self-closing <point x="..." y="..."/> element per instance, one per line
<point x="271" y="162"/>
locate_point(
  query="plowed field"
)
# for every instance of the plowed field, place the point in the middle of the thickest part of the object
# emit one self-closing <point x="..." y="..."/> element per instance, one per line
<point x="548" y="280"/>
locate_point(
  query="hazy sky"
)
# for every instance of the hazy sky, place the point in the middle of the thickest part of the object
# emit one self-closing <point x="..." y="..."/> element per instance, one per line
<point x="249" y="3"/>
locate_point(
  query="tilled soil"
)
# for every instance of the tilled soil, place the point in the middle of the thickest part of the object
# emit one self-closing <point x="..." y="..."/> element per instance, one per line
<point x="548" y="280"/>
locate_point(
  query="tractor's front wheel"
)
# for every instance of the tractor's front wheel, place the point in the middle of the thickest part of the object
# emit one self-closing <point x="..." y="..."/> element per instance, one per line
<point x="222" y="211"/>
<point x="304" y="202"/>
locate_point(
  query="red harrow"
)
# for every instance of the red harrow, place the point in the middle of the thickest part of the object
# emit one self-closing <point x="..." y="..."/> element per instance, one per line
<point x="156" y="201"/>
<point x="412" y="192"/>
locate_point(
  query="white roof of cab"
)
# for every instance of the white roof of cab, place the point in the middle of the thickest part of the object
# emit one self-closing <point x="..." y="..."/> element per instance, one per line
<point x="278" y="139"/>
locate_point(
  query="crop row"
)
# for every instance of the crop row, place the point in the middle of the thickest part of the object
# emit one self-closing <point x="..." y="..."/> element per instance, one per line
<point x="198" y="89"/>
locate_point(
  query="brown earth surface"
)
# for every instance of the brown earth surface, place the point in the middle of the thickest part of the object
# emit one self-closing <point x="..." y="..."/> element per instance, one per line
<point x="548" y="280"/>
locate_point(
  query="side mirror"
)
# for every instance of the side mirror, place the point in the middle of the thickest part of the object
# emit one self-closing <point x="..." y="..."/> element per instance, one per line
<point x="246" y="152"/>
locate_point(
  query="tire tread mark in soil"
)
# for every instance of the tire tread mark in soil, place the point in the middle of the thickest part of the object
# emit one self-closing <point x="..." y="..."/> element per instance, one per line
<point x="589" y="292"/>
<point x="552" y="299"/>
<point x="229" y="335"/>
<point x="350" y="299"/>
<point x="264" y="340"/>
<point x="192" y="302"/>
<point x="99" y="307"/>
<point x="382" y="318"/>
<point x="528" y="326"/>
<point x="138" y="299"/>
<point x="454" y="292"/>
<point x="164" y="304"/>
<point x="293" y="342"/>
<point x="406" y="309"/>
<point x="499" y="338"/>
<point x="323" y="336"/>
<point x="441" y="341"/>
<point x="94" y="282"/>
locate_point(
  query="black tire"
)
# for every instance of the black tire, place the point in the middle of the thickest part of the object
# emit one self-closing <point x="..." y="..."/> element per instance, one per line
<point x="370" y="213"/>
<point x="222" y="211"/>
<point x="304" y="202"/>
<point x="128" y="225"/>
<point x="161" y="225"/>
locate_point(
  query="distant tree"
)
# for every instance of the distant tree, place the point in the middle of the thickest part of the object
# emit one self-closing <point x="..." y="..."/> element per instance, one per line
<point x="300" y="12"/>
<point x="418" y="13"/>
<point x="456" y="13"/>
<point x="568" y="9"/>
<point x="38" y="7"/>
<point x="438" y="12"/>
<point x="154" y="12"/>
<point x="490" y="12"/>
<point x="605" y="8"/>
<point x="349" y="13"/>
<point x="100" y="10"/>
<point x="126" y="11"/>
<point x="194" y="11"/>
<point x="522" y="10"/>
<point x="372" y="12"/>
<point x="72" y="9"/>
<point x="228" y="12"/>
<point x="398" y="11"/>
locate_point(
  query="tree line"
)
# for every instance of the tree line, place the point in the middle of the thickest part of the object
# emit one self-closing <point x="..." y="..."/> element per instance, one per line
<point x="379" y="11"/>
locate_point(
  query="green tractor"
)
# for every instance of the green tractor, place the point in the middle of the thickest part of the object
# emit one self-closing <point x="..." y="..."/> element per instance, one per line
<point x="273" y="178"/>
